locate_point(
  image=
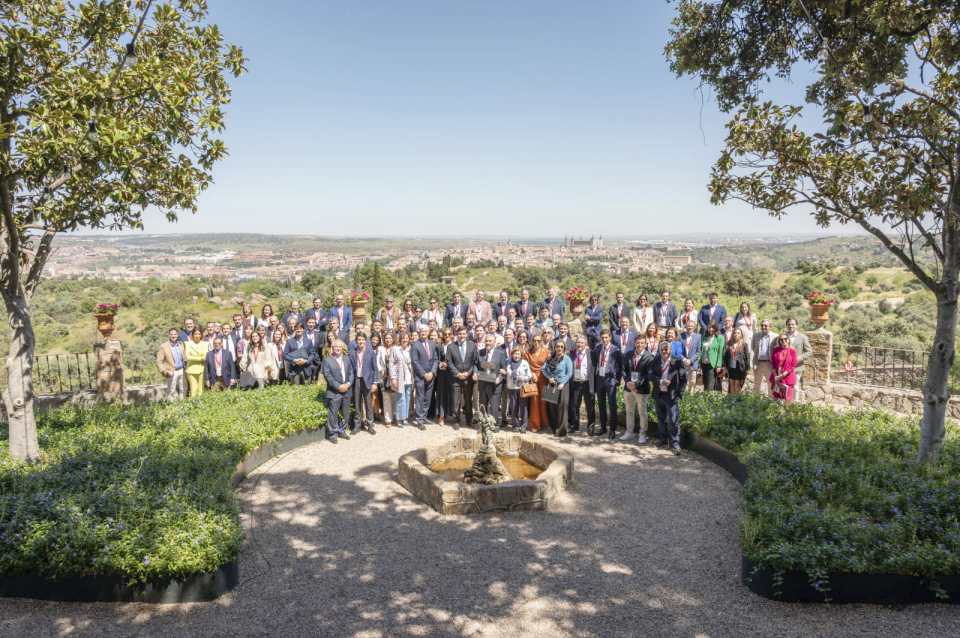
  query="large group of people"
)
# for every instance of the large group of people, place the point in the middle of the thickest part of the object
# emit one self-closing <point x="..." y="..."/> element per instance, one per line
<point x="528" y="364"/>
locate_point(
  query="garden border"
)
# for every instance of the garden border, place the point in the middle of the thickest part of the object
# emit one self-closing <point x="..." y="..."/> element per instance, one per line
<point x="202" y="587"/>
<point x="843" y="587"/>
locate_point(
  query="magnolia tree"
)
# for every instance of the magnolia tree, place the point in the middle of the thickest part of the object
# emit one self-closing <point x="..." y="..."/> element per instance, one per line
<point x="106" y="108"/>
<point x="876" y="143"/>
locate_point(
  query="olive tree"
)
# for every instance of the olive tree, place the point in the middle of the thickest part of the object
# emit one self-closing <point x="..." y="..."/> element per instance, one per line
<point x="107" y="108"/>
<point x="875" y="143"/>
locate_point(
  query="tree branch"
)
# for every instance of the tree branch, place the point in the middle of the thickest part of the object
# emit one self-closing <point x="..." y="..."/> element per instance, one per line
<point x="39" y="261"/>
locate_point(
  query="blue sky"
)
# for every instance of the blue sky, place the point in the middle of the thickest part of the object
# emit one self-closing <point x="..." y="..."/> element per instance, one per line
<point x="408" y="118"/>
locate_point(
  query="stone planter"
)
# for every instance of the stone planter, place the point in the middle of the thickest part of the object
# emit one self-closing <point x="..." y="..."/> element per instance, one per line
<point x="819" y="313"/>
<point x="105" y="324"/>
<point x="359" y="309"/>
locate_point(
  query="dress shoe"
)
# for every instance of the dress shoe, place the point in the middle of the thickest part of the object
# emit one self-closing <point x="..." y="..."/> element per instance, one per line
<point x="332" y="439"/>
<point x="421" y="426"/>
<point x="676" y="450"/>
<point x="641" y="438"/>
<point x="371" y="429"/>
<point x="661" y="443"/>
<point x="601" y="431"/>
<point x="345" y="435"/>
<point x="613" y="435"/>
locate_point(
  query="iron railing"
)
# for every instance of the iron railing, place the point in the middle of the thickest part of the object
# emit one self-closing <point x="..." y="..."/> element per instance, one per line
<point x="62" y="372"/>
<point x="885" y="367"/>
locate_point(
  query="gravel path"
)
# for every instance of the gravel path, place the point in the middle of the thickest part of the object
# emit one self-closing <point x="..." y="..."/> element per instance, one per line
<point x="644" y="545"/>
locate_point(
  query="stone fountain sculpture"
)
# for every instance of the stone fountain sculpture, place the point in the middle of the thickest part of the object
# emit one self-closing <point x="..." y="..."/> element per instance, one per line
<point x="487" y="468"/>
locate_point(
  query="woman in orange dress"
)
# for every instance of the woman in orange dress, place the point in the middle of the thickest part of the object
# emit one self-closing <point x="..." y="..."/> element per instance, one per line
<point x="535" y="357"/>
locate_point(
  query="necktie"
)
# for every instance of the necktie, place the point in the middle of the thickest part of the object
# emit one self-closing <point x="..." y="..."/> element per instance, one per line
<point x="340" y="315"/>
<point x="603" y="358"/>
<point x="623" y="341"/>
<point x="426" y="349"/>
<point x="359" y="362"/>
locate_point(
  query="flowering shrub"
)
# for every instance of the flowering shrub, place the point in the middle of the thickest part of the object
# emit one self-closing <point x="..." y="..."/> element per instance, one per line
<point x="577" y="296"/>
<point x="140" y="492"/>
<point x="108" y="309"/>
<point x="359" y="295"/>
<point x="830" y="492"/>
<point x="818" y="298"/>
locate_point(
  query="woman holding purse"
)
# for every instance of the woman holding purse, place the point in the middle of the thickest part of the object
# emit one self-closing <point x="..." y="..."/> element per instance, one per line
<point x="518" y="375"/>
<point x="783" y="378"/>
<point x="558" y="371"/>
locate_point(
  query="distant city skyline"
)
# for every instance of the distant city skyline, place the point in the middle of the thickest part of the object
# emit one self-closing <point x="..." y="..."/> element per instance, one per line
<point x="434" y="118"/>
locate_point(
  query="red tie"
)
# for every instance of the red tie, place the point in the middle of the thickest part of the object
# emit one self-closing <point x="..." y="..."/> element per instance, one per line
<point x="603" y="359"/>
<point x="426" y="349"/>
<point x="579" y="358"/>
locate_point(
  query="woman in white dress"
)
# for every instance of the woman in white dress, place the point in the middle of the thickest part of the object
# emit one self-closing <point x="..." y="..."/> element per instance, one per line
<point x="401" y="378"/>
<point x="257" y="360"/>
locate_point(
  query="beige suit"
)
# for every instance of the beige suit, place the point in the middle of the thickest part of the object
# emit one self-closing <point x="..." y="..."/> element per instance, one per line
<point x="762" y="367"/>
<point x="167" y="366"/>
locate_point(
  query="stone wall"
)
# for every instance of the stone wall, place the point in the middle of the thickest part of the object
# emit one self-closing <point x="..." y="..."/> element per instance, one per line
<point x="132" y="395"/>
<point x="850" y="395"/>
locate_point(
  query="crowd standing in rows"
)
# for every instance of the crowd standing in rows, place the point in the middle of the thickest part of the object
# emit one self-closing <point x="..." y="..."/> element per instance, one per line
<point x="526" y="363"/>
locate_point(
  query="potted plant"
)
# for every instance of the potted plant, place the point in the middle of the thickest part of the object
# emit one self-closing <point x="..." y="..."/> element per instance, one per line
<point x="820" y="303"/>
<point x="358" y="302"/>
<point x="105" y="314"/>
<point x="577" y="298"/>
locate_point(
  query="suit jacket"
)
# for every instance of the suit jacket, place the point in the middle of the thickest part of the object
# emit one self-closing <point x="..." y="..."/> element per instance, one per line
<point x="704" y="318"/>
<point x="568" y="341"/>
<point x="165" y="360"/>
<point x="531" y="308"/>
<point x="664" y="314"/>
<point x="331" y="372"/>
<point x="369" y="371"/>
<point x="677" y="375"/>
<point x="500" y="308"/>
<point x="497" y="362"/>
<point x="226" y="367"/>
<point x="453" y="311"/>
<point x="319" y="315"/>
<point x="801" y="343"/>
<point x="424" y="360"/>
<point x="591" y="378"/>
<point x="755" y="346"/>
<point x="614" y="313"/>
<point x="302" y="349"/>
<point x="639" y="364"/>
<point x="556" y="307"/>
<point x="614" y="365"/>
<point x="693" y="351"/>
<point x="618" y="340"/>
<point x="347" y="322"/>
<point x="290" y="313"/>
<point x="457" y="364"/>
<point x="393" y="314"/>
<point x="483" y="311"/>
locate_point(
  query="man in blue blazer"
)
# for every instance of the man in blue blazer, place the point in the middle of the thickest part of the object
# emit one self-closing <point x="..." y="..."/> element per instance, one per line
<point x="668" y="380"/>
<point x="218" y="367"/>
<point x="502" y="305"/>
<point x="298" y="358"/>
<point x="691" y="340"/>
<point x="609" y="367"/>
<point x="525" y="306"/>
<point x="455" y="309"/>
<point x="318" y="314"/>
<point x="425" y="361"/>
<point x="624" y="336"/>
<point x="554" y="304"/>
<point x="664" y="313"/>
<point x="343" y="314"/>
<point x="712" y="312"/>
<point x="339" y="374"/>
<point x="364" y="363"/>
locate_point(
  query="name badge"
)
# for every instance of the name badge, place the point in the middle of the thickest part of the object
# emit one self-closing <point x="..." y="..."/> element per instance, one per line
<point x="634" y="376"/>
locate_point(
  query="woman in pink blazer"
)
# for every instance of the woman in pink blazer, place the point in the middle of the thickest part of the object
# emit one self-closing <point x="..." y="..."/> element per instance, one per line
<point x="783" y="378"/>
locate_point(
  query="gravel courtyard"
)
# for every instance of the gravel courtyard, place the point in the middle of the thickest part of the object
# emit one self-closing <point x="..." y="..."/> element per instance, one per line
<point x="645" y="544"/>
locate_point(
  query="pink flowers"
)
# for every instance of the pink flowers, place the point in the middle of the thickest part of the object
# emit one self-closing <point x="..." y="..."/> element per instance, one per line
<point x="359" y="295"/>
<point x="108" y="309"/>
<point x="818" y="298"/>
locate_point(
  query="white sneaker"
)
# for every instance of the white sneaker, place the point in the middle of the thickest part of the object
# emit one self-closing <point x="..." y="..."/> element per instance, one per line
<point x="626" y="436"/>
<point x="641" y="438"/>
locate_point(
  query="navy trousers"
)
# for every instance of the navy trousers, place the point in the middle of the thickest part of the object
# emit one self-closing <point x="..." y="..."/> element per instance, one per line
<point x="337" y="409"/>
<point x="607" y="402"/>
<point x="424" y="392"/>
<point x="668" y="421"/>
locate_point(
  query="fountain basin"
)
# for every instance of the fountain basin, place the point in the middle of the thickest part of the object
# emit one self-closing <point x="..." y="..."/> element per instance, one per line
<point x="455" y="497"/>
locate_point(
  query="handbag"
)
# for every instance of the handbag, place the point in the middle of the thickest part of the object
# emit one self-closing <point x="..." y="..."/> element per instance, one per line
<point x="551" y="394"/>
<point x="247" y="380"/>
<point x="528" y="390"/>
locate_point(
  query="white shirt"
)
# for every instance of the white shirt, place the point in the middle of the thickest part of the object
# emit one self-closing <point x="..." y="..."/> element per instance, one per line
<point x="580" y="370"/>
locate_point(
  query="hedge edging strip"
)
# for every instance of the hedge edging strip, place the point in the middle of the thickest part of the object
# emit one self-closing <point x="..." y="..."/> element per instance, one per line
<point x="200" y="587"/>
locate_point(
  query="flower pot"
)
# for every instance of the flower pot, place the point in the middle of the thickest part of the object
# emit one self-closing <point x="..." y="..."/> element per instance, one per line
<point x="105" y="324"/>
<point x="359" y="308"/>
<point x="819" y="313"/>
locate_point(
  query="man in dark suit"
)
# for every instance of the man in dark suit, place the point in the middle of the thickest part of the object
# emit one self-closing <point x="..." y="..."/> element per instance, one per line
<point x="609" y="371"/>
<point x="616" y="311"/>
<point x="563" y="334"/>
<point x="691" y="341"/>
<point x="636" y="389"/>
<point x="293" y="312"/>
<point x="298" y="358"/>
<point x="502" y="305"/>
<point x="314" y="339"/>
<point x="333" y="325"/>
<point x="218" y="366"/>
<point x="491" y="373"/>
<point x="456" y="309"/>
<point x="462" y="362"/>
<point x="668" y="379"/>
<point x="581" y="385"/>
<point x="364" y="363"/>
<point x="524" y="306"/>
<point x="554" y="304"/>
<point x="338" y="372"/>
<point x="624" y="336"/>
<point x="664" y="313"/>
<point x="710" y="313"/>
<point x="425" y="362"/>
<point x="318" y="314"/>
<point x="343" y="315"/>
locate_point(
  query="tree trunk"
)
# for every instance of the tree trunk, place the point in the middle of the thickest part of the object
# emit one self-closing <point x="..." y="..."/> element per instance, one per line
<point x="19" y="394"/>
<point x="936" y="392"/>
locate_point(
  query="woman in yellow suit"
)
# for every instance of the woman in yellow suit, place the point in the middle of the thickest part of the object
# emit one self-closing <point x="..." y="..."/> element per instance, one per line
<point x="195" y="351"/>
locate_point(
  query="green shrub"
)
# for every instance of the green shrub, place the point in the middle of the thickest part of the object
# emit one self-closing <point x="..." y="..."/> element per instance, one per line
<point x="831" y="492"/>
<point x="140" y="492"/>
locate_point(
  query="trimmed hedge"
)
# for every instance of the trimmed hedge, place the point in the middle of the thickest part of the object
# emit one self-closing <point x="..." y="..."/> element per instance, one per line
<point x="140" y="492"/>
<point x="830" y="492"/>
